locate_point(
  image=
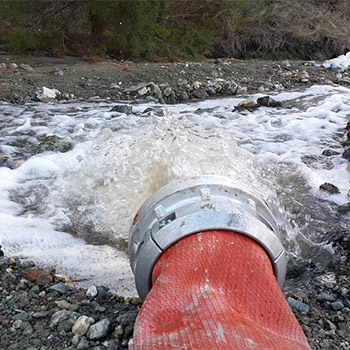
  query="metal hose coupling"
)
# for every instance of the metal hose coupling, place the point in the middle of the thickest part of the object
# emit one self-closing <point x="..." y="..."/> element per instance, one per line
<point x="205" y="203"/>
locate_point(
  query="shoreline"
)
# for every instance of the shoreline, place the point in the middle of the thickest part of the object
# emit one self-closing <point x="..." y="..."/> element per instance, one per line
<point x="22" y="79"/>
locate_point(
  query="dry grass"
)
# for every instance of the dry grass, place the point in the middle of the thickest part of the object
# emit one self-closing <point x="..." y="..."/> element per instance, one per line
<point x="307" y="29"/>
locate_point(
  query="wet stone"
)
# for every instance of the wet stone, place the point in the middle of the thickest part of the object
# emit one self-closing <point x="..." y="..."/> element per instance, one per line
<point x="248" y="104"/>
<point x="125" y="109"/>
<point x="343" y="209"/>
<point x="268" y="101"/>
<point x="211" y="91"/>
<point x="346" y="154"/>
<point x="330" y="188"/>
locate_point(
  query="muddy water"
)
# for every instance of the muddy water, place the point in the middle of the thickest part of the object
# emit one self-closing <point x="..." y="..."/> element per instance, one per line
<point x="73" y="210"/>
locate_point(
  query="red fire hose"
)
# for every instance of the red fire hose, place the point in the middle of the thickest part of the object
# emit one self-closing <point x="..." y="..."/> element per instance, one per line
<point x="208" y="262"/>
<point x="216" y="290"/>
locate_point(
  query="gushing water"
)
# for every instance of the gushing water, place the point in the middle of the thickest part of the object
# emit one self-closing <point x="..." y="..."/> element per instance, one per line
<point x="74" y="209"/>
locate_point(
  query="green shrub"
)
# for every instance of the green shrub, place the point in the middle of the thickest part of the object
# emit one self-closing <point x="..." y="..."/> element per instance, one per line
<point x="21" y="42"/>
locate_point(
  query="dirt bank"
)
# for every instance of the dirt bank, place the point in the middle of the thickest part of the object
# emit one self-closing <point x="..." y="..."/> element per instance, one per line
<point x="163" y="82"/>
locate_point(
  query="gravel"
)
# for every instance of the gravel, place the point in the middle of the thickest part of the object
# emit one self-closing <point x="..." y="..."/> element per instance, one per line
<point x="55" y="315"/>
<point x="48" y="316"/>
<point x="28" y="78"/>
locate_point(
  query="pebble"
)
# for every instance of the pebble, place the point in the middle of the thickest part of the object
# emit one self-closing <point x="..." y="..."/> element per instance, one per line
<point x="61" y="316"/>
<point x="143" y="91"/>
<point x="337" y="305"/>
<point x="75" y="340"/>
<point x="21" y="316"/>
<point x="184" y="96"/>
<point x="82" y="325"/>
<point x="99" y="330"/>
<point x="211" y="91"/>
<point x="242" y="90"/>
<point x="83" y="344"/>
<point x="59" y="287"/>
<point x="92" y="292"/>
<point x="167" y="91"/>
<point x="197" y="84"/>
<point x="41" y="314"/>
<point x="26" y="67"/>
<point x="17" y="324"/>
<point x="326" y="297"/>
<point x="331" y="325"/>
<point x="118" y="331"/>
<point x="63" y="304"/>
<point x="297" y="305"/>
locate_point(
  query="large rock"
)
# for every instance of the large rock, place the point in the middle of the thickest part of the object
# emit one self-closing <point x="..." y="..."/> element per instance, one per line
<point x="99" y="330"/>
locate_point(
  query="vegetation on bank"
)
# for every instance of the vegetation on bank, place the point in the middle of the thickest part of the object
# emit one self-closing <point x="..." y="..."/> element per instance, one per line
<point x="173" y="29"/>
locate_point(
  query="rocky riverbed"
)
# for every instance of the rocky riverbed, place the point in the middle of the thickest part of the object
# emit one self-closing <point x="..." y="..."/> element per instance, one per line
<point x="40" y="309"/>
<point x="22" y="78"/>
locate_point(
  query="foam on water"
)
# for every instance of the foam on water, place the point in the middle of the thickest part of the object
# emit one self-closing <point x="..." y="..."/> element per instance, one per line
<point x="73" y="210"/>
